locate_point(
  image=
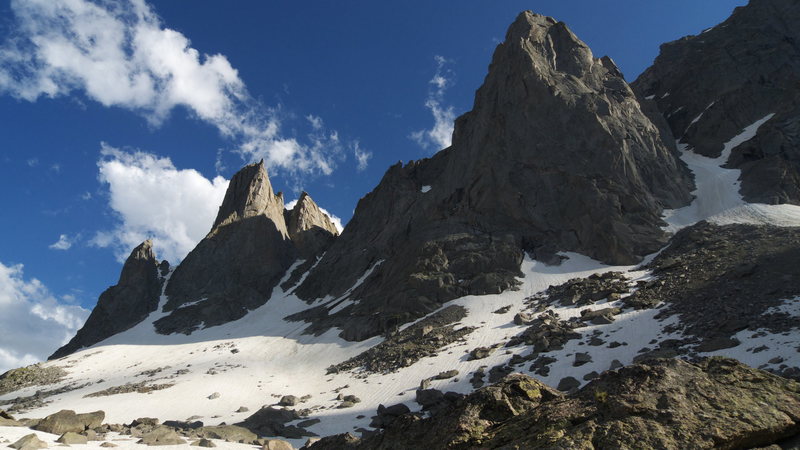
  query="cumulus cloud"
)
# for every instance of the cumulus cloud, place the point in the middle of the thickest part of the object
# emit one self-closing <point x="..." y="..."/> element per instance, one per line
<point x="152" y="199"/>
<point x="33" y="321"/>
<point x="118" y="53"/>
<point x="441" y="134"/>
<point x="64" y="243"/>
<point x="362" y="156"/>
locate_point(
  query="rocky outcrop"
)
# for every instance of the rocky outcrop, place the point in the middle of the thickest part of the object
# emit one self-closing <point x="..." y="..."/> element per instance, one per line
<point x="310" y="229"/>
<point x="66" y="420"/>
<point x="124" y="305"/>
<point x="555" y="155"/>
<point x="29" y="442"/>
<point x="712" y="85"/>
<point x="717" y="403"/>
<point x="236" y="266"/>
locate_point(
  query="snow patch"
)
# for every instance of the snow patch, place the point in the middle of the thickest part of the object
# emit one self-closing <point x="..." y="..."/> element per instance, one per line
<point x="425" y="189"/>
<point x="717" y="197"/>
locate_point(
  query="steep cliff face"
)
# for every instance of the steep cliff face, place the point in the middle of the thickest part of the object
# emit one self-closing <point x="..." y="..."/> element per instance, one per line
<point x="236" y="266"/>
<point x="555" y="155"/>
<point x="711" y="86"/>
<point x="123" y="305"/>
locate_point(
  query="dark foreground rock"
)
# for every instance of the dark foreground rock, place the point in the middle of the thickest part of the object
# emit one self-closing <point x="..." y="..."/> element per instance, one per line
<point x="717" y="403"/>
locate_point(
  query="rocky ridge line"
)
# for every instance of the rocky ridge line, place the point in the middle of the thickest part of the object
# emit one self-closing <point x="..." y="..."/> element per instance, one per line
<point x="712" y="85"/>
<point x="555" y="155"/>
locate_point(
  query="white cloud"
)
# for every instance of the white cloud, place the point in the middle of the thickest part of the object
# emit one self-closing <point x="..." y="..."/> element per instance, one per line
<point x="441" y="134"/>
<point x="33" y="162"/>
<point x="33" y="321"/>
<point x="362" y="156"/>
<point x="154" y="200"/>
<point x="119" y="54"/>
<point x="64" y="243"/>
<point x="316" y="122"/>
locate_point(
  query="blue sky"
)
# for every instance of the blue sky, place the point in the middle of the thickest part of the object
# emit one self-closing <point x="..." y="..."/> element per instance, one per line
<point x="104" y="143"/>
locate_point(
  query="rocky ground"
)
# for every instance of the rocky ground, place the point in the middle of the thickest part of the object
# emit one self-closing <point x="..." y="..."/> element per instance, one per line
<point x="72" y="428"/>
<point x="671" y="404"/>
<point x="404" y="348"/>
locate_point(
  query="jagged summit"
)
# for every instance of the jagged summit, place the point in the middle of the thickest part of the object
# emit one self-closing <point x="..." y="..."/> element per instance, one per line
<point x="236" y="266"/>
<point x="250" y="194"/>
<point x="555" y="155"/>
<point x="123" y="305"/>
<point x="306" y="215"/>
<point x="311" y="230"/>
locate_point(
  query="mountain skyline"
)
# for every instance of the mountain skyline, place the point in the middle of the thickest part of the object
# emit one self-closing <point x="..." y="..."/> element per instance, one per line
<point x="92" y="168"/>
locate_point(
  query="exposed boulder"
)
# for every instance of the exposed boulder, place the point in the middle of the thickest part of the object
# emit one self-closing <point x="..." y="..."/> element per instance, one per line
<point x="712" y="85"/>
<point x="269" y="421"/>
<point x="123" y="305"/>
<point x="289" y="400"/>
<point x="717" y="403"/>
<point x="70" y="438"/>
<point x="67" y="420"/>
<point x="29" y="442"/>
<point x="161" y="435"/>
<point x="277" y="444"/>
<point x="555" y="155"/>
<point x="236" y="266"/>
<point x="230" y="433"/>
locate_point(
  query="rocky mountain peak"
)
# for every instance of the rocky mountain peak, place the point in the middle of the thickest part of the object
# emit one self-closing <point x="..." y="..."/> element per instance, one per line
<point x="310" y="229"/>
<point x="139" y="262"/>
<point x="250" y="194"/>
<point x="124" y="305"/>
<point x="552" y="42"/>
<point x="556" y="155"/>
<point x="236" y="266"/>
<point x="306" y="215"/>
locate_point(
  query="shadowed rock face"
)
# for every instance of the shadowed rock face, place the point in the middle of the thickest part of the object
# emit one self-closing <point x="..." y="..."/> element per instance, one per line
<point x="710" y="86"/>
<point x="555" y="155"/>
<point x="236" y="266"/>
<point x="124" y="305"/>
<point x="717" y="403"/>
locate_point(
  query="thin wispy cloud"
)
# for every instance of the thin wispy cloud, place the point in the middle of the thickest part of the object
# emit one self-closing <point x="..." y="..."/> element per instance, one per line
<point x="362" y="156"/>
<point x="440" y="135"/>
<point x="152" y="199"/>
<point x="119" y="54"/>
<point x="64" y="242"/>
